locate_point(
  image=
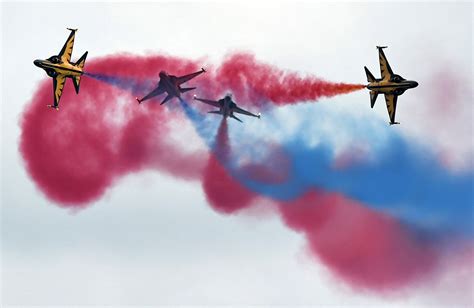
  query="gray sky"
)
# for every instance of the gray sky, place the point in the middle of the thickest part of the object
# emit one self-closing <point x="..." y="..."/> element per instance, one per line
<point x="153" y="239"/>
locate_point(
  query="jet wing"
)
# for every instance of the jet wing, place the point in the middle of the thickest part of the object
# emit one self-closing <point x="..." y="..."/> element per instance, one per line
<point x="209" y="102"/>
<point x="188" y="77"/>
<point x="385" y="69"/>
<point x="66" y="51"/>
<point x="391" y="100"/>
<point x="157" y="91"/>
<point x="58" y="86"/>
<point x="245" y="112"/>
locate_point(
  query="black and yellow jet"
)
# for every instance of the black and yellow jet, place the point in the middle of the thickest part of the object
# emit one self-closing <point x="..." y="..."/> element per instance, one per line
<point x="391" y="85"/>
<point x="60" y="67"/>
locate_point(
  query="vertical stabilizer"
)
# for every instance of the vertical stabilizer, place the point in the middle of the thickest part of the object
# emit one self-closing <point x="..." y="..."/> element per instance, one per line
<point x="370" y="77"/>
<point x="82" y="60"/>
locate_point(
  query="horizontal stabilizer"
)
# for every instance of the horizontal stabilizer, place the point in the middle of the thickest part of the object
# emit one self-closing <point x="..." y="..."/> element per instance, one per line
<point x="186" y="89"/>
<point x="233" y="116"/>
<point x="77" y="82"/>
<point x="370" y="77"/>
<point x="373" y="98"/>
<point x="215" y="112"/>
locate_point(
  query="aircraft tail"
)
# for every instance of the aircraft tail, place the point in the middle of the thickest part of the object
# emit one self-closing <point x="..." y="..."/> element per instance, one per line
<point x="79" y="64"/>
<point x="373" y="98"/>
<point x="82" y="60"/>
<point x="370" y="77"/>
<point x="186" y="89"/>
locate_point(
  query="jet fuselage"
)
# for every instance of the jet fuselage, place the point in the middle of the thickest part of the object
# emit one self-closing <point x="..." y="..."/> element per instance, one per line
<point x="227" y="107"/>
<point x="169" y="84"/>
<point x="54" y="66"/>
<point x="396" y="85"/>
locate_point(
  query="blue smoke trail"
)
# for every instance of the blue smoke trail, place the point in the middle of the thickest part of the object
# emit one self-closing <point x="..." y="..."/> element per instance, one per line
<point x="206" y="127"/>
<point x="132" y="85"/>
<point x="404" y="180"/>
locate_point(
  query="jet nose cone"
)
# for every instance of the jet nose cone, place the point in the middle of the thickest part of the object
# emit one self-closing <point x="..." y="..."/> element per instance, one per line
<point x="37" y="63"/>
<point x="414" y="84"/>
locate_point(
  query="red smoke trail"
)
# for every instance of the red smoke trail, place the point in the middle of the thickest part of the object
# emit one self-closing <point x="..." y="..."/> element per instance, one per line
<point x="73" y="155"/>
<point x="367" y="249"/>
<point x="252" y="81"/>
<point x="242" y="74"/>
<point x="224" y="193"/>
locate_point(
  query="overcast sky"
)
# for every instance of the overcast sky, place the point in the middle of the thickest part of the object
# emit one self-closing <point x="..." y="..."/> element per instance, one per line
<point x="153" y="239"/>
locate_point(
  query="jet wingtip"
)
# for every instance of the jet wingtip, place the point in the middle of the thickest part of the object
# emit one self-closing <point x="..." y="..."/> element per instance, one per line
<point x="71" y="29"/>
<point x="381" y="47"/>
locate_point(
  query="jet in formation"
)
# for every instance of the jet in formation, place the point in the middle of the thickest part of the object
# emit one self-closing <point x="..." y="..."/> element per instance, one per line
<point x="391" y="85"/>
<point x="171" y="85"/>
<point x="60" y="67"/>
<point x="227" y="107"/>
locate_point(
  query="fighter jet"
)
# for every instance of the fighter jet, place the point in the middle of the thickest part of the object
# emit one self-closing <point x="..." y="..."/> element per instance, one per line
<point x="59" y="67"/>
<point x="226" y="107"/>
<point x="171" y="85"/>
<point x="391" y="85"/>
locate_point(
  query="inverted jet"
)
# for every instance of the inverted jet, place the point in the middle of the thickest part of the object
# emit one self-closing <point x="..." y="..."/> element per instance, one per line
<point x="227" y="107"/>
<point x="60" y="67"/>
<point x="171" y="85"/>
<point x="391" y="85"/>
